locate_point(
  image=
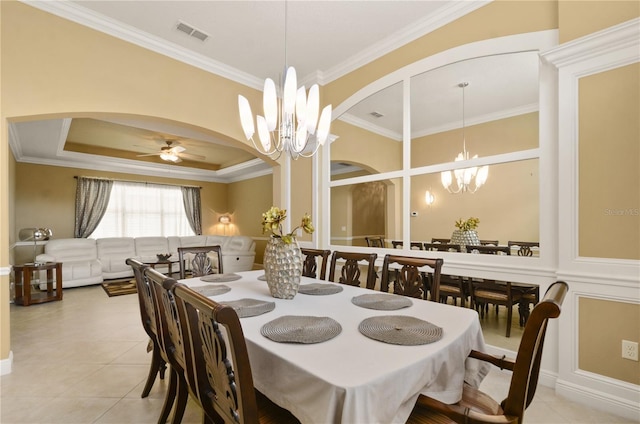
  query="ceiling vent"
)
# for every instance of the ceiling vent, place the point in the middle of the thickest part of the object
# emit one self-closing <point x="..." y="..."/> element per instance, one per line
<point x="193" y="32"/>
<point x="376" y="114"/>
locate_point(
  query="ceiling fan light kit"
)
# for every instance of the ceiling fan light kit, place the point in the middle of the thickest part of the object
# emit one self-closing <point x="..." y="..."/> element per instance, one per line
<point x="172" y="154"/>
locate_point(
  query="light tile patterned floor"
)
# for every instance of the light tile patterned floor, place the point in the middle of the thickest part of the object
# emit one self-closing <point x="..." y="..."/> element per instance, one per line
<point x="84" y="360"/>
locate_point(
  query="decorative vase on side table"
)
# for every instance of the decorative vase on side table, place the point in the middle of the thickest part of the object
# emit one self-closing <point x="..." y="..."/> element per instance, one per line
<point x="282" y="256"/>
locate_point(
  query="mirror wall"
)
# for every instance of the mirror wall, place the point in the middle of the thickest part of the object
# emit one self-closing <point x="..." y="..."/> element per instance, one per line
<point x="500" y="114"/>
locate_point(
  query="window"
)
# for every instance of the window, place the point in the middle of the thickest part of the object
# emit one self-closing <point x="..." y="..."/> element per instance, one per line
<point x="139" y="209"/>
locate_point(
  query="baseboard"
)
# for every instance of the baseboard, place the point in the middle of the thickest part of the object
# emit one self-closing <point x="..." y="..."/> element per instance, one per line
<point x="600" y="400"/>
<point x="5" y="364"/>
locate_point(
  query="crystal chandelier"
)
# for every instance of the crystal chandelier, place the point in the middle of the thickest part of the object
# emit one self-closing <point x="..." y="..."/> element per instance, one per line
<point x="466" y="179"/>
<point x="289" y="124"/>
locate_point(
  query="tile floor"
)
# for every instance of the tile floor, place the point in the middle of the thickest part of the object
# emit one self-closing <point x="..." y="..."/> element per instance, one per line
<point x="84" y="360"/>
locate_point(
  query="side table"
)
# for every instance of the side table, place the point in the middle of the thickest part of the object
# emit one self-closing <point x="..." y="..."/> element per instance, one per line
<point x="24" y="278"/>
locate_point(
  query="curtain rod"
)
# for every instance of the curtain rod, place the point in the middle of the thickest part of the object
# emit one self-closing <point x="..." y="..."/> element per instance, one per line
<point x="139" y="182"/>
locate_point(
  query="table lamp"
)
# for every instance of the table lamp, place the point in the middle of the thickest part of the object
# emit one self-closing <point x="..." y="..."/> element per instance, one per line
<point x="35" y="235"/>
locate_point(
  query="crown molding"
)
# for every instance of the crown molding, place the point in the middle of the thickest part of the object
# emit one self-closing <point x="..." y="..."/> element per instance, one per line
<point x="78" y="14"/>
<point x="443" y="16"/>
<point x="368" y="126"/>
<point x="98" y="22"/>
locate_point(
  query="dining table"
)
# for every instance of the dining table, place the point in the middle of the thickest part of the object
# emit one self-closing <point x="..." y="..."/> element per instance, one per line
<point x="351" y="377"/>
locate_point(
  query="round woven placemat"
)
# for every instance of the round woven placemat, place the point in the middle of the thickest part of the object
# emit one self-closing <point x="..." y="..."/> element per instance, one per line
<point x="381" y="301"/>
<point x="319" y="288"/>
<point x="220" y="278"/>
<point x="301" y="329"/>
<point x="251" y="307"/>
<point x="212" y="290"/>
<point x="400" y="330"/>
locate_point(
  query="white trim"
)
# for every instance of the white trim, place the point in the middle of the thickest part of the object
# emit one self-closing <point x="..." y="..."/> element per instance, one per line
<point x="6" y="364"/>
<point x="5" y="270"/>
<point x="368" y="126"/>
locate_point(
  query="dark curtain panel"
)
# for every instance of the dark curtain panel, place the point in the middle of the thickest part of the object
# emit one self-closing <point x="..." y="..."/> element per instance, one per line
<point x="191" y="201"/>
<point x="92" y="198"/>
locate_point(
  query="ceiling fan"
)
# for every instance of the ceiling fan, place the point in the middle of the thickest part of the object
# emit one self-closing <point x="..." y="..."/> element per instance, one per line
<point x="173" y="154"/>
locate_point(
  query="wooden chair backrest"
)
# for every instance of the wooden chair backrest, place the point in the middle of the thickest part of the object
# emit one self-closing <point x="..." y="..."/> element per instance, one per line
<point x="524" y="379"/>
<point x="310" y="264"/>
<point x="440" y="240"/>
<point x="200" y="263"/>
<point x="414" y="245"/>
<point x="147" y="310"/>
<point x="442" y="247"/>
<point x="221" y="371"/>
<point x="350" y="272"/>
<point x="489" y="242"/>
<point x="375" y="241"/>
<point x="489" y="250"/>
<point x="170" y="335"/>
<point x="409" y="280"/>
<point x="524" y="247"/>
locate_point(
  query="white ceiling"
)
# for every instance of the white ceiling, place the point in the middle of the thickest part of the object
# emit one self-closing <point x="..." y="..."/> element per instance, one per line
<point x="324" y="40"/>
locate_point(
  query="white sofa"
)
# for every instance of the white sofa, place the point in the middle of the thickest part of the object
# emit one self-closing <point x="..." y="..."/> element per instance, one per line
<point x="91" y="261"/>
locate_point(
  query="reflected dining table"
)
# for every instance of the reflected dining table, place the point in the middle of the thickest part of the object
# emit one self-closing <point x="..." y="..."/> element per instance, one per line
<point x="352" y="378"/>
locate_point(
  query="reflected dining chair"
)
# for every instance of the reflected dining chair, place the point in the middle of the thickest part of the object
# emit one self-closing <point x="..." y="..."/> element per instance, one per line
<point x="407" y="278"/>
<point x="197" y="260"/>
<point x="374" y="241"/>
<point x="218" y="367"/>
<point x="489" y="250"/>
<point x="149" y="323"/>
<point x="451" y="286"/>
<point x="489" y="242"/>
<point x="349" y="264"/>
<point x="485" y="292"/>
<point x="440" y="240"/>
<point x="478" y="407"/>
<point x="310" y="265"/>
<point x="172" y="344"/>
<point x="524" y="247"/>
<point x="442" y="247"/>
<point x="413" y="245"/>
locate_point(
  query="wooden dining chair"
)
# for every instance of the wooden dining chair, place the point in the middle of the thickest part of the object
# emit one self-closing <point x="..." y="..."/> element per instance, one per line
<point x="407" y="278"/>
<point x="149" y="323"/>
<point x="172" y="345"/>
<point x="197" y="260"/>
<point x="218" y="363"/>
<point x="524" y="247"/>
<point x="350" y="273"/>
<point x="454" y="287"/>
<point x="489" y="250"/>
<point x="310" y="265"/>
<point x="442" y="247"/>
<point x="489" y="242"/>
<point x="440" y="240"/>
<point x="486" y="292"/>
<point x="413" y="245"/>
<point x="375" y="241"/>
<point x="478" y="407"/>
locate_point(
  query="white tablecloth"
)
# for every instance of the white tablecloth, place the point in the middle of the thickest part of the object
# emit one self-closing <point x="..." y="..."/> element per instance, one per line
<point x="352" y="379"/>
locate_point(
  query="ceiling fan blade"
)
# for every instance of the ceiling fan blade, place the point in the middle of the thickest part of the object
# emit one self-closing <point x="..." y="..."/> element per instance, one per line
<point x="178" y="149"/>
<point x="148" y="154"/>
<point x="145" y="147"/>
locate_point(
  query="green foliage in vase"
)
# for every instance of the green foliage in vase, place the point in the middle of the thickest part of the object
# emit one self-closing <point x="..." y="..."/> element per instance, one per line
<point x="272" y="223"/>
<point x="468" y="224"/>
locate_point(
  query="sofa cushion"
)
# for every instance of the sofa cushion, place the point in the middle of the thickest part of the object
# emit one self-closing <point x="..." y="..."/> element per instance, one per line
<point x="113" y="253"/>
<point x="148" y="247"/>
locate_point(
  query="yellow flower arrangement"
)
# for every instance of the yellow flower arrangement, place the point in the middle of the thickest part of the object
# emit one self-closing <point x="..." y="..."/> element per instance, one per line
<point x="467" y="225"/>
<point x="272" y="223"/>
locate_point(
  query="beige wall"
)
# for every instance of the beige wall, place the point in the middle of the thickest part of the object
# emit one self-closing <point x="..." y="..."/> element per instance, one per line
<point x="609" y="164"/>
<point x="600" y="335"/>
<point x="247" y="201"/>
<point x="45" y="196"/>
<point x="580" y="18"/>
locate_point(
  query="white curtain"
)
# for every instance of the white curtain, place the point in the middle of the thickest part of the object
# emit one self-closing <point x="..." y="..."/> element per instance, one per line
<point x="142" y="209"/>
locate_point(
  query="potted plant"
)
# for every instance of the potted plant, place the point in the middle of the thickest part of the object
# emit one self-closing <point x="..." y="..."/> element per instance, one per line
<point x="282" y="256"/>
<point x="465" y="233"/>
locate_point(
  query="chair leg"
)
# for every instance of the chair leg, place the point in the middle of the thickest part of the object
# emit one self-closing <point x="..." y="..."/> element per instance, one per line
<point x="181" y="401"/>
<point x="170" y="397"/>
<point x="157" y="366"/>
<point x="509" y="314"/>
